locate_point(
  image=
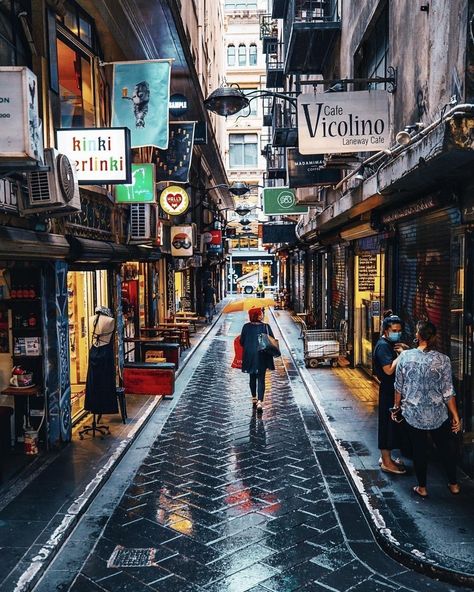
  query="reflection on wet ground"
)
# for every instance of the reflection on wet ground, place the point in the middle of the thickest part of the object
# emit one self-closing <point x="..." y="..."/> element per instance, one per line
<point x="228" y="501"/>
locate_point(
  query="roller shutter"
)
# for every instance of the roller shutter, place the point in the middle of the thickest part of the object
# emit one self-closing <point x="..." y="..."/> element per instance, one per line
<point x="338" y="283"/>
<point x="423" y="274"/>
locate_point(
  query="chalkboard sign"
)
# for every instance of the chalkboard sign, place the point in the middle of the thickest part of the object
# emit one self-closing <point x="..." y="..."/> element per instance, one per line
<point x="367" y="272"/>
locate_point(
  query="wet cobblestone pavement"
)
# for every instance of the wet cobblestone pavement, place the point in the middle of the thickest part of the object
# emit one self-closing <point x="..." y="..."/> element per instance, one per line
<point x="226" y="501"/>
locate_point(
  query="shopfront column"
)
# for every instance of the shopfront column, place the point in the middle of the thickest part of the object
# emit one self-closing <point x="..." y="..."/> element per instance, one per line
<point x="56" y="359"/>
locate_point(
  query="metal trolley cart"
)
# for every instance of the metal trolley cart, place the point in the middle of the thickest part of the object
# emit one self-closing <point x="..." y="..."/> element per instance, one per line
<point x="323" y="345"/>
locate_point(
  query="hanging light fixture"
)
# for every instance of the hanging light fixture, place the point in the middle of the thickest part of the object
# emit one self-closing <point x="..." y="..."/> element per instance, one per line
<point x="242" y="210"/>
<point x="239" y="188"/>
<point x="226" y="100"/>
<point x="245" y="221"/>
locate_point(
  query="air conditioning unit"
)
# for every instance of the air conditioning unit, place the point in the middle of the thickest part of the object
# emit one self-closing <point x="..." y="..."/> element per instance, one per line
<point x="140" y="222"/>
<point x="54" y="192"/>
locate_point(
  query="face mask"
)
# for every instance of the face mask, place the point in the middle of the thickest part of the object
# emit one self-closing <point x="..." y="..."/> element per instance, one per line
<point x="394" y="337"/>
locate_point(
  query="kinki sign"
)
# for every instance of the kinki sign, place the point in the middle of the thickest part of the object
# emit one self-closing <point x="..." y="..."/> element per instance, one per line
<point x="101" y="155"/>
<point x="336" y="123"/>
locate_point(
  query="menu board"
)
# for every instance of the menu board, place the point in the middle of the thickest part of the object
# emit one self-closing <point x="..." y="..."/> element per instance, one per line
<point x="367" y="272"/>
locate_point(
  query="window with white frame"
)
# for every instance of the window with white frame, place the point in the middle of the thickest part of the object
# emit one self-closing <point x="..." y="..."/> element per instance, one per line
<point x="243" y="150"/>
<point x="231" y="55"/>
<point x="242" y="55"/>
<point x="252" y="54"/>
<point x="240" y="5"/>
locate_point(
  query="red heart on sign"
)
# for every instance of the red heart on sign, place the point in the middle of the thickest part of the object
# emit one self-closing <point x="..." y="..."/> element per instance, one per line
<point x="174" y="200"/>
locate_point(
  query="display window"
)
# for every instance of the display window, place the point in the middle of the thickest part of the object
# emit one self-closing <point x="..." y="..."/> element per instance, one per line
<point x="86" y="291"/>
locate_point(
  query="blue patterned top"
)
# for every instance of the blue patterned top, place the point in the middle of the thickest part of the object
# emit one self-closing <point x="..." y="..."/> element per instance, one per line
<point x="425" y="382"/>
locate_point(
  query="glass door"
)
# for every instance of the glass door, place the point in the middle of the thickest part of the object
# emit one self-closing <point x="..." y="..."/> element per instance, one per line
<point x="86" y="291"/>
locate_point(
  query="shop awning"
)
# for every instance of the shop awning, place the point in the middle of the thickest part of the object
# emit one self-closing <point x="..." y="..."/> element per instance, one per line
<point x="84" y="250"/>
<point x="18" y="243"/>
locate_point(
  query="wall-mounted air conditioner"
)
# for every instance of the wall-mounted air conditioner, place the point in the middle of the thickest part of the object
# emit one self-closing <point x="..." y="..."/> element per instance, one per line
<point x="140" y="221"/>
<point x="54" y="192"/>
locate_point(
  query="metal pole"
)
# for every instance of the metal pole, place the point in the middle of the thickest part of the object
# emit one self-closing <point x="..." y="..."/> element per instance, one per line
<point x="231" y="272"/>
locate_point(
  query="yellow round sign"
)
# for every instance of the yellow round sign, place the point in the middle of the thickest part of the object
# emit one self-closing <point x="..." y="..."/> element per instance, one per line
<point x="174" y="200"/>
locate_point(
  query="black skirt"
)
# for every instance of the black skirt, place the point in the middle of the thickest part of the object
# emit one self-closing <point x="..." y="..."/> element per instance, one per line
<point x="101" y="396"/>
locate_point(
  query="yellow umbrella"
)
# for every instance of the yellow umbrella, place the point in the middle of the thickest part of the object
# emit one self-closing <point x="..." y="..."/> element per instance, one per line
<point x="248" y="303"/>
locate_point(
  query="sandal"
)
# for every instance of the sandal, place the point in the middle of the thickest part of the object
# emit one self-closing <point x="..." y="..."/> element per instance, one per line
<point x="454" y="488"/>
<point x="416" y="490"/>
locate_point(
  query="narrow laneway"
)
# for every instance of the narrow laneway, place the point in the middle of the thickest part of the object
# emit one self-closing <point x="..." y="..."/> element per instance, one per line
<point x="227" y="501"/>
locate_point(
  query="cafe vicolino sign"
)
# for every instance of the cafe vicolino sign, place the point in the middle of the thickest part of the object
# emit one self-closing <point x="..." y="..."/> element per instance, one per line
<point x="335" y="123"/>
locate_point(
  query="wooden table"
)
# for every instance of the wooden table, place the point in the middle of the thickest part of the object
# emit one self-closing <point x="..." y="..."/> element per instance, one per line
<point x="137" y="341"/>
<point x="183" y="319"/>
<point x="178" y="331"/>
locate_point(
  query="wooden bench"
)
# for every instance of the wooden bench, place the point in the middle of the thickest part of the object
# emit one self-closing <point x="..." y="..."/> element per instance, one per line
<point x="140" y="378"/>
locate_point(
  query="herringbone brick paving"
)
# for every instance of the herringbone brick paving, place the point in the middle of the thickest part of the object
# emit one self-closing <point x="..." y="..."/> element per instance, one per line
<point x="227" y="501"/>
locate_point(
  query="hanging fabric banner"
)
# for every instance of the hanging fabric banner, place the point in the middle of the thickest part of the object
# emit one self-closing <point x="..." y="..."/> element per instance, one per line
<point x="174" y="163"/>
<point x="140" y="101"/>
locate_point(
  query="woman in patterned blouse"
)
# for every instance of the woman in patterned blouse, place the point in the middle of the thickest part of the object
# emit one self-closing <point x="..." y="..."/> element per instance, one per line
<point x="424" y="389"/>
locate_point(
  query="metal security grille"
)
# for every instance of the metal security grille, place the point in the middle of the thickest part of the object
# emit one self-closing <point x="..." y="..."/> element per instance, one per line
<point x="338" y="283"/>
<point x="424" y="272"/>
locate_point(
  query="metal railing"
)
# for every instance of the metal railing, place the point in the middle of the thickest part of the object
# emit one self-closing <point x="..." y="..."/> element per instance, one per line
<point x="274" y="57"/>
<point x="276" y="158"/>
<point x="309" y="11"/>
<point x="268" y="27"/>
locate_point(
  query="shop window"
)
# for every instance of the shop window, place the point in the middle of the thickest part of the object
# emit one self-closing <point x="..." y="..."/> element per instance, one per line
<point x="253" y="55"/>
<point x="14" y="50"/>
<point x="78" y="23"/>
<point x="243" y="150"/>
<point x="371" y="58"/>
<point x="242" y="55"/>
<point x="231" y="55"/>
<point x="75" y="86"/>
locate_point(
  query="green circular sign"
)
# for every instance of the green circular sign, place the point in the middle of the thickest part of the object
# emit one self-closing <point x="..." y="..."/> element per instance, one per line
<point x="286" y="200"/>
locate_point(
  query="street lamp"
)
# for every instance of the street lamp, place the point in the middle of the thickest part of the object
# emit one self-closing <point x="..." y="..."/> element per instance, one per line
<point x="229" y="100"/>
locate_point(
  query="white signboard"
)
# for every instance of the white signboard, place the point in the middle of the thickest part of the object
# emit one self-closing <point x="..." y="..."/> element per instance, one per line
<point x="335" y="123"/>
<point x="181" y="241"/>
<point x="101" y="155"/>
<point x="20" y="131"/>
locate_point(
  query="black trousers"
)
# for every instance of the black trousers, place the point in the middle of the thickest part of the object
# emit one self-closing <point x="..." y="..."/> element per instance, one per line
<point x="257" y="385"/>
<point x="445" y="443"/>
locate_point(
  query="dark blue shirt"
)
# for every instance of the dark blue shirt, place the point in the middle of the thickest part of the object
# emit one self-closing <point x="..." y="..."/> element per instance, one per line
<point x="384" y="354"/>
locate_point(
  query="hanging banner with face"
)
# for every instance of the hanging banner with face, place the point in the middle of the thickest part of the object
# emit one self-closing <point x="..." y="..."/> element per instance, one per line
<point x="140" y="101"/>
<point x="174" y="163"/>
<point x="338" y="123"/>
<point x="181" y="241"/>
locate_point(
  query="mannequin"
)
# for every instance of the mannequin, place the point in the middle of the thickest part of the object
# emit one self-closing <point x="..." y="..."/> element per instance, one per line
<point x="101" y="396"/>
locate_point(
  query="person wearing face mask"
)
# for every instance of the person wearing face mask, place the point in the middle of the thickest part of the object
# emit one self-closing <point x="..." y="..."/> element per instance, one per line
<point x="385" y="361"/>
<point x="424" y="391"/>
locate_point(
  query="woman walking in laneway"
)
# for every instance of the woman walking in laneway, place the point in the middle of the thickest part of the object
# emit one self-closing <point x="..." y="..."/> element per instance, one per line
<point x="254" y="362"/>
<point x="424" y="391"/>
<point x="385" y="363"/>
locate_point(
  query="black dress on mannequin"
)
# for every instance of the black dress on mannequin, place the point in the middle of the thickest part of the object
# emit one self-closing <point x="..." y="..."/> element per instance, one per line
<point x="101" y="395"/>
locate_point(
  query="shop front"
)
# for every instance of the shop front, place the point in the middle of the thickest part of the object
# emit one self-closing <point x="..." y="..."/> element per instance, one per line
<point x="369" y="298"/>
<point x="34" y="392"/>
<point x="86" y="291"/>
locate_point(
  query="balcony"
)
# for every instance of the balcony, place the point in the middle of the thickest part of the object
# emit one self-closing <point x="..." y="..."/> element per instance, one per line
<point x="268" y="182"/>
<point x="276" y="162"/>
<point x="311" y="29"/>
<point x="279" y="9"/>
<point x="284" y="124"/>
<point x="268" y="32"/>
<point x="267" y="103"/>
<point x="274" y="59"/>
